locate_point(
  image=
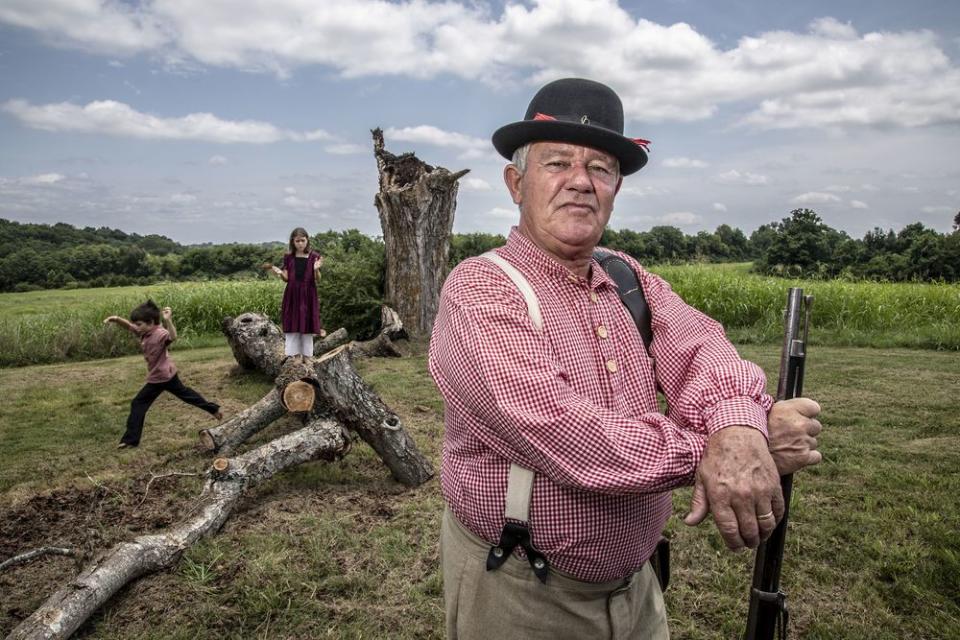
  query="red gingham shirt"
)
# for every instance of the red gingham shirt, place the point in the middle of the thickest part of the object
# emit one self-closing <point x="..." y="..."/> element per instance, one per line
<point x="577" y="404"/>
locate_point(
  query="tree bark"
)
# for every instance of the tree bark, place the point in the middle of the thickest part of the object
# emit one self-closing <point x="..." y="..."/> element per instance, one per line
<point x="416" y="203"/>
<point x="331" y="341"/>
<point x="256" y="342"/>
<point x="361" y="410"/>
<point x="225" y="437"/>
<point x="341" y="393"/>
<point x="379" y="347"/>
<point x="69" y="607"/>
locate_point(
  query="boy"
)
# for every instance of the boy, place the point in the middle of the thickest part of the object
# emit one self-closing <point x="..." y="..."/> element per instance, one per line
<point x="145" y="322"/>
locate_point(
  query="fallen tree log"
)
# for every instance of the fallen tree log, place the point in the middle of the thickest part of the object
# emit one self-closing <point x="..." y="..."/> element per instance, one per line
<point x="70" y="606"/>
<point x="340" y="392"/>
<point x="256" y="342"/>
<point x="225" y="437"/>
<point x="331" y="341"/>
<point x="380" y="347"/>
<point x="361" y="410"/>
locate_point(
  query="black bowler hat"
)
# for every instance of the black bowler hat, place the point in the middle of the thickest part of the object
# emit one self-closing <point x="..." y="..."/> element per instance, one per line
<point x="578" y="111"/>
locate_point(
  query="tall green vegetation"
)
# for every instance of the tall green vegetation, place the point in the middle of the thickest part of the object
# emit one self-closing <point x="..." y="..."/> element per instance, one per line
<point x="802" y="245"/>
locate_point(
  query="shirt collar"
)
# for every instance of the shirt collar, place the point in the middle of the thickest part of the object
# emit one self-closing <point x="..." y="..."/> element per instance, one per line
<point x="523" y="250"/>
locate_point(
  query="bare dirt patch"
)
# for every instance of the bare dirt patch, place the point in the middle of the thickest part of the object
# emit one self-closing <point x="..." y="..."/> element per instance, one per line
<point x="86" y="520"/>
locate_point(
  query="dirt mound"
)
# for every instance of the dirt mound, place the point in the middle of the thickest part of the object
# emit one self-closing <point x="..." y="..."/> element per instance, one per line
<point x="87" y="521"/>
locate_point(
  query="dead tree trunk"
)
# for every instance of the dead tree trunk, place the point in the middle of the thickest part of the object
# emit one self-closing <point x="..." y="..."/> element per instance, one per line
<point x="68" y="608"/>
<point x="416" y="204"/>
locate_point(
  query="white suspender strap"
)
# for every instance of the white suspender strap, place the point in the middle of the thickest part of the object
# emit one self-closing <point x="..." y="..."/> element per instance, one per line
<point x="533" y="305"/>
<point x="520" y="480"/>
<point x="519" y="491"/>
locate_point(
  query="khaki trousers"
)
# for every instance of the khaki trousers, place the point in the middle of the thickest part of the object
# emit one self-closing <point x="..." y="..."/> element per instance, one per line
<point x="511" y="603"/>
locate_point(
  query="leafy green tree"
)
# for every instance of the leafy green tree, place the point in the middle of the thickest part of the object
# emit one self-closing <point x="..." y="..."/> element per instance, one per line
<point x="802" y="246"/>
<point x="467" y="245"/>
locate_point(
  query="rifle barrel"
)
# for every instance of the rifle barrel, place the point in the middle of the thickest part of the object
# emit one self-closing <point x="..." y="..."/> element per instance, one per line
<point x="768" y="609"/>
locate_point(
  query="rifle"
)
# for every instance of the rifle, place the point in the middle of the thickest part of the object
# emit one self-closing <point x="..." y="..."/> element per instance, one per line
<point x="768" y="613"/>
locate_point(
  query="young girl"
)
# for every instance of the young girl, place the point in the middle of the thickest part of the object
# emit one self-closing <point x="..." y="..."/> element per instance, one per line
<point x="162" y="375"/>
<point x="300" y="313"/>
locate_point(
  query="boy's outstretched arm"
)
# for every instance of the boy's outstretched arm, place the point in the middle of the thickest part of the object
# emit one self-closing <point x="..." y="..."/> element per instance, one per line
<point x="167" y="319"/>
<point x="123" y="322"/>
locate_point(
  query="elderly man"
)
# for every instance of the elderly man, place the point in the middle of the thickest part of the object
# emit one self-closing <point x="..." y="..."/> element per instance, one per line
<point x="557" y="462"/>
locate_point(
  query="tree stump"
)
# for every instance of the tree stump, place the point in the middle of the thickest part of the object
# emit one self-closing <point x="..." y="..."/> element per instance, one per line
<point x="416" y="203"/>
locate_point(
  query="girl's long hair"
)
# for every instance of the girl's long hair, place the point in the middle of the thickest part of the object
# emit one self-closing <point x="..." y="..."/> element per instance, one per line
<point x="299" y="231"/>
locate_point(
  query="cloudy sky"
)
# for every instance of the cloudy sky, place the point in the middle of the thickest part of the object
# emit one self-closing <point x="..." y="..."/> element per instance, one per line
<point x="237" y="120"/>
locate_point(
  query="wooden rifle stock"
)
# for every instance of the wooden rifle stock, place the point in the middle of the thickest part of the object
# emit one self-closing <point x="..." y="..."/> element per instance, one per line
<point x="768" y="615"/>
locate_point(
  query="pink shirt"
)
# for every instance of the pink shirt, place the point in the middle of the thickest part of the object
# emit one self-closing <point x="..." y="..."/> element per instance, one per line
<point x="153" y="343"/>
<point x="577" y="404"/>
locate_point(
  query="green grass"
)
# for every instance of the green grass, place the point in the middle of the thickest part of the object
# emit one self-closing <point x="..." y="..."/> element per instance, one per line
<point x="338" y="550"/>
<point x="54" y="326"/>
<point x="865" y="314"/>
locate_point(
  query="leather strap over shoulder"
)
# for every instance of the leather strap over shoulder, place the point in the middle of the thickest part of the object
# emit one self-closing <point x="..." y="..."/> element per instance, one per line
<point x="630" y="291"/>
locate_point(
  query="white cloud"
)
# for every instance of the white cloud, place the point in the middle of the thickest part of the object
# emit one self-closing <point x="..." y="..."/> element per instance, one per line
<point x="433" y="136"/>
<point x="183" y="198"/>
<point x="736" y="177"/>
<point x="217" y="160"/>
<point x="938" y="209"/>
<point x="719" y="206"/>
<point x="815" y="197"/>
<point x="826" y="76"/>
<point x="42" y="179"/>
<point x="643" y="190"/>
<point x="684" y="163"/>
<point x="290" y="191"/>
<point x="346" y="148"/>
<point x="838" y="188"/>
<point x="301" y="204"/>
<point x="505" y="214"/>
<point x="475" y="184"/>
<point x="859" y="204"/>
<point x="681" y="218"/>
<point x="108" y="117"/>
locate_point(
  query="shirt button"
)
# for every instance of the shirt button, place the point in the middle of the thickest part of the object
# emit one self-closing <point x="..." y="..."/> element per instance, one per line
<point x="602" y="331"/>
<point x="612" y="366"/>
<point x="593" y="296"/>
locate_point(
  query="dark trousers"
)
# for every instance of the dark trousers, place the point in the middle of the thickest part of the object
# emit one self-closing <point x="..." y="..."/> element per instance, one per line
<point x="150" y="392"/>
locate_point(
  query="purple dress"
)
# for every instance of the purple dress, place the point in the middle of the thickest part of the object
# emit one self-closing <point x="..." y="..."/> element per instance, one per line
<point x="300" y="312"/>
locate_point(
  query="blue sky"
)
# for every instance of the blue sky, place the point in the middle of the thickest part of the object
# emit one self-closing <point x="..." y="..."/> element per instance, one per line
<point x="237" y="121"/>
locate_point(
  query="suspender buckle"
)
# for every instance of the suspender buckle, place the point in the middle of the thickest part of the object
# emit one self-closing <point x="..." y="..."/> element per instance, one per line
<point x="514" y="534"/>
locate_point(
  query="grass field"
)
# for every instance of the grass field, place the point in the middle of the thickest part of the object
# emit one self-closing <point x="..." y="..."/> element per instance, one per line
<point x="338" y="550"/>
<point x="55" y="326"/>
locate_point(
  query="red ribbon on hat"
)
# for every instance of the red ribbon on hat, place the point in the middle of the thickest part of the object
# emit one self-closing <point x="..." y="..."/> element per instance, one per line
<point x="640" y="142"/>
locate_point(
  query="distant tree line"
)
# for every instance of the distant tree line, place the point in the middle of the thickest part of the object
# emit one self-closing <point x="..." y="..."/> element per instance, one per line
<point x="40" y="256"/>
<point x="802" y="245"/>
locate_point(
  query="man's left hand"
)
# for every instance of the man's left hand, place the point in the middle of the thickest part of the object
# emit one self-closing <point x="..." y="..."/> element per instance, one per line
<point x="737" y="482"/>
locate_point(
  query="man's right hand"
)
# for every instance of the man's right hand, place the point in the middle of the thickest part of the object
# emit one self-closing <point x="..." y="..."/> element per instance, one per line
<point x="793" y="429"/>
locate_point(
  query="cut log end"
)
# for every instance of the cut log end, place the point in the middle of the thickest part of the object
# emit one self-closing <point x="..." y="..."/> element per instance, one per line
<point x="221" y="464"/>
<point x="299" y="396"/>
<point x="207" y="443"/>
